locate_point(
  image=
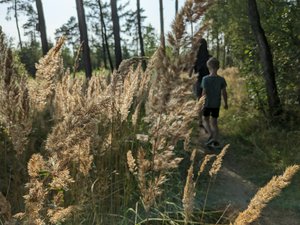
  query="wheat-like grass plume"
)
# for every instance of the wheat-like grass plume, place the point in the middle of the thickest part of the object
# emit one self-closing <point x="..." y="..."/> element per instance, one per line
<point x="49" y="72"/>
<point x="5" y="210"/>
<point x="207" y="158"/>
<point x="15" y="111"/>
<point x="60" y="214"/>
<point x="90" y="120"/>
<point x="131" y="163"/>
<point x="189" y="191"/>
<point x="265" y="195"/>
<point x="170" y="109"/>
<point x="216" y="166"/>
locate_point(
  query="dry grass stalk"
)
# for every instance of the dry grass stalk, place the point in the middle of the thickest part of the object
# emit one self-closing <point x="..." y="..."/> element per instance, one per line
<point x="125" y="87"/>
<point x="147" y="189"/>
<point x="49" y="72"/>
<point x="60" y="214"/>
<point x="265" y="195"/>
<point x="169" y="110"/>
<point x="165" y="160"/>
<point x="79" y="108"/>
<point x="131" y="163"/>
<point x="47" y="178"/>
<point x="216" y="166"/>
<point x="180" y="40"/>
<point x="189" y="191"/>
<point x="130" y="85"/>
<point x="150" y="186"/>
<point x="15" y="111"/>
<point x="153" y="191"/>
<point x="34" y="201"/>
<point x="136" y="114"/>
<point x="68" y="95"/>
<point x="176" y="124"/>
<point x="68" y="144"/>
<point x="97" y="86"/>
<point x="207" y="158"/>
<point x="5" y="210"/>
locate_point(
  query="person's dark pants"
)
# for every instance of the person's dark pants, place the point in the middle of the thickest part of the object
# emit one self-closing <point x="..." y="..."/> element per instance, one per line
<point x="213" y="112"/>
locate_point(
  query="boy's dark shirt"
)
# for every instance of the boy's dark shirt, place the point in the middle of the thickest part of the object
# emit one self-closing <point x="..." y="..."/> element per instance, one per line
<point x="213" y="86"/>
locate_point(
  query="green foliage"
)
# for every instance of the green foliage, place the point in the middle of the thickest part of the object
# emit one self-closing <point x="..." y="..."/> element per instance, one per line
<point x="258" y="150"/>
<point x="280" y="22"/>
<point x="29" y="56"/>
<point x="71" y="32"/>
<point x="150" y="40"/>
<point x="67" y="58"/>
<point x="275" y="146"/>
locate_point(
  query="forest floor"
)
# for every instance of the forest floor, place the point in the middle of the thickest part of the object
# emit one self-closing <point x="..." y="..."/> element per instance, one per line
<point x="232" y="191"/>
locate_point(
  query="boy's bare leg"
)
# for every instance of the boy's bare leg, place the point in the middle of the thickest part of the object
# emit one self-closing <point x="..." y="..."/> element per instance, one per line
<point x="214" y="128"/>
<point x="206" y="124"/>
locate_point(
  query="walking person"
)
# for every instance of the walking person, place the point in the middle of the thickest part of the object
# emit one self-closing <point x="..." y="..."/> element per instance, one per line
<point x="213" y="87"/>
<point x="201" y="69"/>
<point x="200" y="66"/>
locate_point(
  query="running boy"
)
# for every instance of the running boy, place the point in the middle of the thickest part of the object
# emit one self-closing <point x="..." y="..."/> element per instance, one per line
<point x="213" y="86"/>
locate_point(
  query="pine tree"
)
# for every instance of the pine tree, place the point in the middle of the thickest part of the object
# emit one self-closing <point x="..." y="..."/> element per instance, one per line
<point x="84" y="38"/>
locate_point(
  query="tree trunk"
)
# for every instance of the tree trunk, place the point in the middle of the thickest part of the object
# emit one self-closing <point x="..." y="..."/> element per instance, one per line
<point x="105" y="35"/>
<point x="17" y="24"/>
<point x="84" y="39"/>
<point x="224" y="54"/>
<point x="266" y="58"/>
<point x="116" y="31"/>
<point x="162" y="32"/>
<point x="42" y="26"/>
<point x="103" y="47"/>
<point x="218" y="45"/>
<point x="192" y="28"/>
<point x="140" y="32"/>
<point x="176" y="7"/>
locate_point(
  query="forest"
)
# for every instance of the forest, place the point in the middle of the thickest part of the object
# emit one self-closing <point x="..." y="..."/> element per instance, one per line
<point x="102" y="126"/>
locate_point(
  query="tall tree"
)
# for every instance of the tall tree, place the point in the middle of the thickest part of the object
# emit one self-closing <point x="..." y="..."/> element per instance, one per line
<point x="71" y="32"/>
<point x="266" y="58"/>
<point x="176" y="7"/>
<point x="32" y="19"/>
<point x="84" y="39"/>
<point x="140" y="32"/>
<point x="104" y="34"/>
<point x="150" y="40"/>
<point x="17" y="22"/>
<point x="162" y="32"/>
<point x="15" y="8"/>
<point x="116" y="32"/>
<point x="42" y="26"/>
<point x="98" y="15"/>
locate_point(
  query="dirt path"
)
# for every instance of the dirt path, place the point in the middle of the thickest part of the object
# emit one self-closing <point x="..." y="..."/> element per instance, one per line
<point x="231" y="190"/>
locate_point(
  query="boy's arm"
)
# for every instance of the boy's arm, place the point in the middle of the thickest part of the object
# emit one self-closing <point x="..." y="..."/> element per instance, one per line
<point x="224" y="93"/>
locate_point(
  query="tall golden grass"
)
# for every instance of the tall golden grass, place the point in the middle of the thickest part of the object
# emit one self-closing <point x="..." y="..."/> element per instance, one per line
<point x="107" y="140"/>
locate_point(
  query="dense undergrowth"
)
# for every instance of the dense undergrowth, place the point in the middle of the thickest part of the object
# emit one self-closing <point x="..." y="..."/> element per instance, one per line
<point x="260" y="148"/>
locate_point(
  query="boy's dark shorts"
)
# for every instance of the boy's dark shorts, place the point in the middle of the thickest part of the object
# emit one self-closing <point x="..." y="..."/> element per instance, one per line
<point x="213" y="112"/>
